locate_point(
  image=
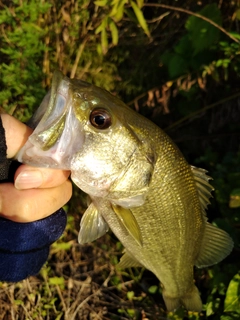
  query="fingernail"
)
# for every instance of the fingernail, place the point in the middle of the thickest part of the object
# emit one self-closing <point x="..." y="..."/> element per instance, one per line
<point x="28" y="180"/>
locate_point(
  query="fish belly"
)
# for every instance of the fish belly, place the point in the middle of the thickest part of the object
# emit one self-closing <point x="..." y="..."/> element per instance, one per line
<point x="170" y="222"/>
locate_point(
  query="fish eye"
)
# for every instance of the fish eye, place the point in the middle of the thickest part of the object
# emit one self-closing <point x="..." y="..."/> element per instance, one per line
<point x="100" y="119"/>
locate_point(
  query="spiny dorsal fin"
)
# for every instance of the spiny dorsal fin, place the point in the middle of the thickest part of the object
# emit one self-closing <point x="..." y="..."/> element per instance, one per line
<point x="92" y="225"/>
<point x="128" y="220"/>
<point x="203" y="186"/>
<point x="216" y="245"/>
<point x="127" y="261"/>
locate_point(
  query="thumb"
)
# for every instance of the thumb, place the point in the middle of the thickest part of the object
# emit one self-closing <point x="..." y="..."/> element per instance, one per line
<point x="16" y="134"/>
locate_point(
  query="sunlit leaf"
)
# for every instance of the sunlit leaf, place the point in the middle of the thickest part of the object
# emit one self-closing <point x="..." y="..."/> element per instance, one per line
<point x="102" y="26"/>
<point x="140" y="18"/>
<point x="153" y="289"/>
<point x="232" y="300"/>
<point x="100" y="3"/>
<point x="99" y="28"/>
<point x="140" y="3"/>
<point x="130" y="295"/>
<point x="104" y="41"/>
<point x="237" y="14"/>
<point x="114" y="32"/>
<point x="56" y="280"/>
<point x="234" y="199"/>
<point x="118" y="10"/>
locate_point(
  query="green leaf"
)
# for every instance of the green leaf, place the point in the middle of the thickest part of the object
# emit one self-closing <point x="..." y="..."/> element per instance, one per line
<point x="140" y="3"/>
<point x="61" y="246"/>
<point x="235" y="34"/>
<point x="232" y="300"/>
<point x="56" y="281"/>
<point x="118" y="10"/>
<point x="100" y="3"/>
<point x="231" y="316"/>
<point x="59" y="317"/>
<point x="102" y="25"/>
<point x="202" y="33"/>
<point x="234" y="198"/>
<point x="152" y="289"/>
<point x="104" y="41"/>
<point x="130" y="295"/>
<point x="140" y="18"/>
<point x="18" y="302"/>
<point x="114" y="32"/>
<point x="237" y="14"/>
<point x="177" y="66"/>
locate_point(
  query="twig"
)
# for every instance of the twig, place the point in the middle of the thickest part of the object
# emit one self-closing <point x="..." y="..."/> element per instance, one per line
<point x="61" y="298"/>
<point x="165" y="6"/>
<point x="193" y="114"/>
<point x="79" y="54"/>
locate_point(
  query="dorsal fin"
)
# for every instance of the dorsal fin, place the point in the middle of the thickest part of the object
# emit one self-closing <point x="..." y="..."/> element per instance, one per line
<point x="204" y="188"/>
<point x="216" y="243"/>
<point x="215" y="246"/>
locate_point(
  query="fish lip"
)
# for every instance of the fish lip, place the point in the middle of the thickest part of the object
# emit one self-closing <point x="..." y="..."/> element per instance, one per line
<point x="58" y="109"/>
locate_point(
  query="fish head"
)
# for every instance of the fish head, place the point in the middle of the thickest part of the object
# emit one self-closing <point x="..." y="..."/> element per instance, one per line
<point x="85" y="129"/>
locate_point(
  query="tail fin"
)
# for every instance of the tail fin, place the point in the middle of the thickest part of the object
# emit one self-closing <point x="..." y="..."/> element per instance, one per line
<point x="191" y="301"/>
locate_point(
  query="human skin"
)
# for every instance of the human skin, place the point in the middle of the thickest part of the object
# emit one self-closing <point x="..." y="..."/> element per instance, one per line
<point x="36" y="192"/>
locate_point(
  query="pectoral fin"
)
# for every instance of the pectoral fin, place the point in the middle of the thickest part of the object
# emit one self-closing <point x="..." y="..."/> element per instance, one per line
<point x="129" y="222"/>
<point x="216" y="245"/>
<point x="92" y="225"/>
<point x="127" y="261"/>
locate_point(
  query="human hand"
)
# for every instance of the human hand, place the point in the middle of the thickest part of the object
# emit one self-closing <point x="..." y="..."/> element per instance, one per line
<point x="36" y="192"/>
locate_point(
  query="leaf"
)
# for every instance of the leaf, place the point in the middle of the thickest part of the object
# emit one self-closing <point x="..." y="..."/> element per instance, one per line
<point x="140" y="3"/>
<point x="153" y="289"/>
<point x="237" y="14"/>
<point x="99" y="28"/>
<point x="102" y="26"/>
<point x="118" y="10"/>
<point x="232" y="300"/>
<point x="130" y="295"/>
<point x="235" y="34"/>
<point x="202" y="33"/>
<point x="177" y="66"/>
<point x="140" y="18"/>
<point x="100" y="3"/>
<point x="234" y="198"/>
<point x="230" y="317"/>
<point x="56" y="281"/>
<point x="114" y="32"/>
<point x="104" y="41"/>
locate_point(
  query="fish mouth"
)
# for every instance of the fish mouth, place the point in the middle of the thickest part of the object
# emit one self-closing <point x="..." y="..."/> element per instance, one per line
<point x="54" y="140"/>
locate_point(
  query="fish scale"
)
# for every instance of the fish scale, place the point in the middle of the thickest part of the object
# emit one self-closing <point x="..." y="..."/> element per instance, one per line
<point x="139" y="183"/>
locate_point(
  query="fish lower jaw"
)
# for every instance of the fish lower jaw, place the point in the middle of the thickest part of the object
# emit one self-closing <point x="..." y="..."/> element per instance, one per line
<point x="94" y="188"/>
<point x="34" y="156"/>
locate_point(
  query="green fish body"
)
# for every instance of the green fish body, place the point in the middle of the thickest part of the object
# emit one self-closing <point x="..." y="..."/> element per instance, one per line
<point x="139" y="183"/>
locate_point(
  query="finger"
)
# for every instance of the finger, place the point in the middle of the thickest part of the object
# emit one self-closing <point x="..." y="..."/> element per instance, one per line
<point x="16" y="134"/>
<point x="33" y="204"/>
<point x="27" y="177"/>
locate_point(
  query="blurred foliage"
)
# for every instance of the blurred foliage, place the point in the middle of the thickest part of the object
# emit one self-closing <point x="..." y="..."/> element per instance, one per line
<point x="177" y="63"/>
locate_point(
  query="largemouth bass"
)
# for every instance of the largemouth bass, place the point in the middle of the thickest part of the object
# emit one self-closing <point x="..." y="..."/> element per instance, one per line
<point x="139" y="183"/>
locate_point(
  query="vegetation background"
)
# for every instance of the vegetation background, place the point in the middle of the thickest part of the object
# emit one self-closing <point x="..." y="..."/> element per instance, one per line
<point x="178" y="63"/>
